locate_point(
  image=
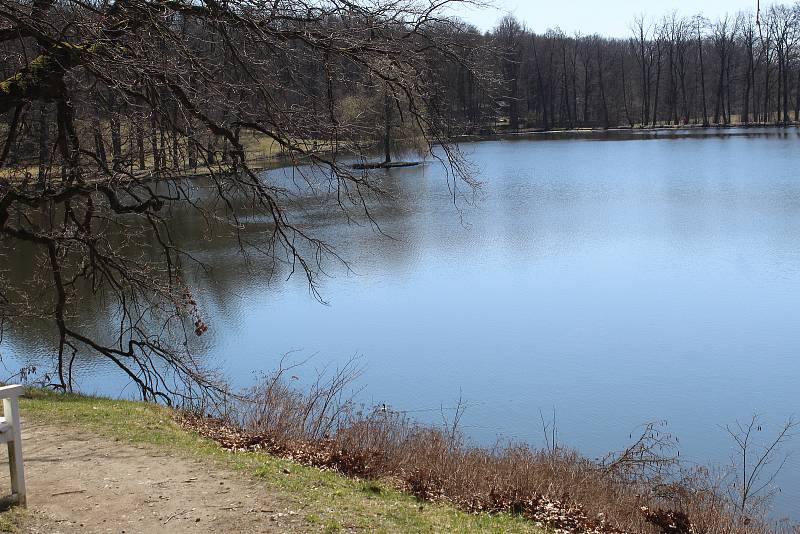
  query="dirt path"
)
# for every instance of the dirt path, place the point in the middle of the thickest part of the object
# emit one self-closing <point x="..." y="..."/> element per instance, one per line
<point x="79" y="482"/>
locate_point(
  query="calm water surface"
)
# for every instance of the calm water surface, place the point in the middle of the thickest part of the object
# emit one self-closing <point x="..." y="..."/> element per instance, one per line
<point x="614" y="279"/>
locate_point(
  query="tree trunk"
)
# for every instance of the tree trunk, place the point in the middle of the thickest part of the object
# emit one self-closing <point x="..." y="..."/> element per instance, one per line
<point x="602" y="88"/>
<point x="540" y="84"/>
<point x="702" y="79"/>
<point x="140" y="144"/>
<point x="565" y="97"/>
<point x="176" y="157"/>
<point x="658" y="85"/>
<point x="766" y="93"/>
<point x="797" y="99"/>
<point x="116" y="136"/>
<point x="625" y="91"/>
<point x="745" y="117"/>
<point x="99" y="147"/>
<point x="387" y="135"/>
<point x="720" y="86"/>
<point x="44" y="143"/>
<point x="191" y="149"/>
<point x="154" y="142"/>
<point x="786" y="92"/>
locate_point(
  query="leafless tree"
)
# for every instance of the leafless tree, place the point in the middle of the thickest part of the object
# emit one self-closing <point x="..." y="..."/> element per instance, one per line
<point x="757" y="460"/>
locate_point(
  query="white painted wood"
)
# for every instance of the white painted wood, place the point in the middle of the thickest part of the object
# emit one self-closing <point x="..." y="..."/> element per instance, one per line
<point x="11" y="434"/>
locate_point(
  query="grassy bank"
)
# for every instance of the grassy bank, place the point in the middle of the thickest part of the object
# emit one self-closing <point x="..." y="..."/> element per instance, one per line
<point x="329" y="501"/>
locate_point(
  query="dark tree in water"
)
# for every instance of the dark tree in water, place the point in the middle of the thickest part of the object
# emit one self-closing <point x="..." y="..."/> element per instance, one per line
<point x="109" y="105"/>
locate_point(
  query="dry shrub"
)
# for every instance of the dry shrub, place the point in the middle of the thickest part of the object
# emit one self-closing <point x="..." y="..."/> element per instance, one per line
<point x="640" y="489"/>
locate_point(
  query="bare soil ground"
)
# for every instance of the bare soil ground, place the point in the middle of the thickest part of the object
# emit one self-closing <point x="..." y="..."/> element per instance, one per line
<point x="80" y="482"/>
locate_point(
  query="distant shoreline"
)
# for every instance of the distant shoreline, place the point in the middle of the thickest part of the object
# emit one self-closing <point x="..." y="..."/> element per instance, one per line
<point x="531" y="132"/>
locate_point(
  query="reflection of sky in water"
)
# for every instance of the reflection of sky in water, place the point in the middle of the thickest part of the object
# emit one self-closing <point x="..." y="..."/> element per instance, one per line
<point x="614" y="281"/>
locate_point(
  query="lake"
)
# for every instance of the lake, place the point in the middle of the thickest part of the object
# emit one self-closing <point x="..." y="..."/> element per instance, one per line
<point x="610" y="278"/>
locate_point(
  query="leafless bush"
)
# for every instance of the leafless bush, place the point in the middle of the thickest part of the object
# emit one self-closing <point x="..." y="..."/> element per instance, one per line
<point x="757" y="462"/>
<point x="288" y="413"/>
<point x="640" y="489"/>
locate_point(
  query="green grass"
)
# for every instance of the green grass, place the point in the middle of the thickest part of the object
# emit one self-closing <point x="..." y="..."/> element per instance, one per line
<point x="330" y="502"/>
<point x="14" y="520"/>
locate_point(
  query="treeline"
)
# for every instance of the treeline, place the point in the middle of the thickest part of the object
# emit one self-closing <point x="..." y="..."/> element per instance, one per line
<point x="674" y="70"/>
<point x="742" y="68"/>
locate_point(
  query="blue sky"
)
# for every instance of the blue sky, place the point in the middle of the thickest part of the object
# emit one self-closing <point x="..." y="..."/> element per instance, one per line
<point x="606" y="17"/>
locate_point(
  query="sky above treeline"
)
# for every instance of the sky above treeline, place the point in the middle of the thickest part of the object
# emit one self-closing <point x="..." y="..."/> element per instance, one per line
<point x="610" y="18"/>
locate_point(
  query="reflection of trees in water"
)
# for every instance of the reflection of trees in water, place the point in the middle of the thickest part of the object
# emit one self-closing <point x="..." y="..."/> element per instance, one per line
<point x="123" y="104"/>
<point x="220" y="271"/>
<point x="33" y="333"/>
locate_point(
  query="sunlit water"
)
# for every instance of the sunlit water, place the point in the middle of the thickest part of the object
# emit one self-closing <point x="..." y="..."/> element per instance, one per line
<point x="610" y="279"/>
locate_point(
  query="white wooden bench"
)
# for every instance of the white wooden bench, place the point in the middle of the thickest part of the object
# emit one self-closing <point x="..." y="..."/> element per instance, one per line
<point x="11" y="433"/>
